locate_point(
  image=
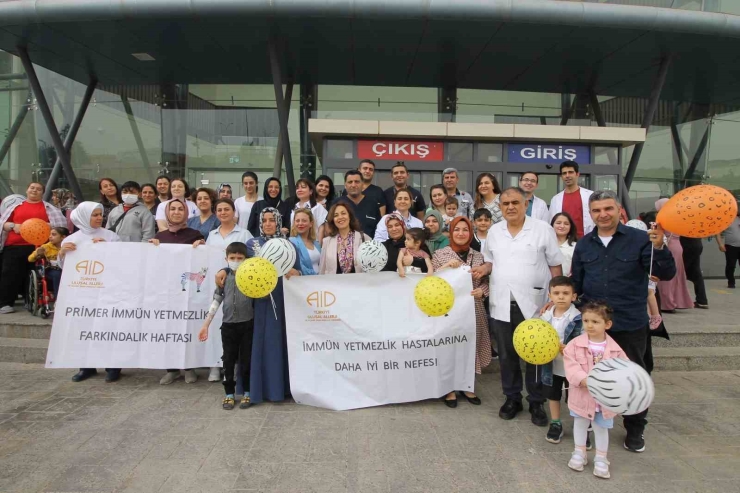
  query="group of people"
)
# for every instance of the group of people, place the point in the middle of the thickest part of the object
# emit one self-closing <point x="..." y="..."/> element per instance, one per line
<point x="526" y="260"/>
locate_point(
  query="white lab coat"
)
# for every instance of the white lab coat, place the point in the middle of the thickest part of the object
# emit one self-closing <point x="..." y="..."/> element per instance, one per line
<point x="556" y="206"/>
<point x="539" y="209"/>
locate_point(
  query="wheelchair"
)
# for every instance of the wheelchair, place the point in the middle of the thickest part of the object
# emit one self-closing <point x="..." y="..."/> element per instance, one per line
<point x="39" y="298"/>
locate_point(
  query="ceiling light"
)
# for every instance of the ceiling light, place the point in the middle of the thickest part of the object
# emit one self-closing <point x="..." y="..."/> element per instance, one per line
<point x="143" y="57"/>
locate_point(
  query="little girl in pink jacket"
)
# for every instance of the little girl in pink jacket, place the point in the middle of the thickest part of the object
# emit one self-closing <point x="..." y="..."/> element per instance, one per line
<point x="580" y="356"/>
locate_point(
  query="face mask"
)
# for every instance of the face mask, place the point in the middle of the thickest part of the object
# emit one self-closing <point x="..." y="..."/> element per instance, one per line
<point x="234" y="264"/>
<point x="129" y="198"/>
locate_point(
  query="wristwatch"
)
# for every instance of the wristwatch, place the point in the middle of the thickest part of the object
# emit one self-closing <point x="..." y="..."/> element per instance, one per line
<point x="12" y="225"/>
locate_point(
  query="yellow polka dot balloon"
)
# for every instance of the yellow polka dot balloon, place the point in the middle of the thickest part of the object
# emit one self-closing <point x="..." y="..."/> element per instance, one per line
<point x="434" y="296"/>
<point x="536" y="341"/>
<point x="256" y="277"/>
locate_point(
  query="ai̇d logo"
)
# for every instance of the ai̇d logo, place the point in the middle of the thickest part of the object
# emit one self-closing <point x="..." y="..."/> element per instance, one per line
<point x="321" y="299"/>
<point x="88" y="272"/>
<point x="89" y="267"/>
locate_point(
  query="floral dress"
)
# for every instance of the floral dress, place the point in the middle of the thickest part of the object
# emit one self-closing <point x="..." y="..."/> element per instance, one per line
<point x="482" y="338"/>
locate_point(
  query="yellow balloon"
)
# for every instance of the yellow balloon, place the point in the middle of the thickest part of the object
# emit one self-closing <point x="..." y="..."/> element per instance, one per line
<point x="434" y="296"/>
<point x="536" y="341"/>
<point x="256" y="277"/>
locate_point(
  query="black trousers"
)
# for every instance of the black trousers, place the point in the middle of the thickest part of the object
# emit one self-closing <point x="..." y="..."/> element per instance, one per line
<point x="236" y="339"/>
<point x="635" y="344"/>
<point x="15" y="269"/>
<point x="732" y="257"/>
<point x="511" y="370"/>
<point x="692" y="248"/>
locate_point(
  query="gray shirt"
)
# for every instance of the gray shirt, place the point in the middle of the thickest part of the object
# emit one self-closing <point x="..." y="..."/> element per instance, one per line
<point x="237" y="307"/>
<point x="732" y="234"/>
<point x="136" y="226"/>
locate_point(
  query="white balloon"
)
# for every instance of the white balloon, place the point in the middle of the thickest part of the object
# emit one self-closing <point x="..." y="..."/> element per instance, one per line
<point x="621" y="386"/>
<point x="281" y="253"/>
<point x="637" y="224"/>
<point x="373" y="256"/>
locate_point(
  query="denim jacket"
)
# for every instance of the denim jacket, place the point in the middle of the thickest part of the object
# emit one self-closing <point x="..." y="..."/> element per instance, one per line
<point x="572" y="330"/>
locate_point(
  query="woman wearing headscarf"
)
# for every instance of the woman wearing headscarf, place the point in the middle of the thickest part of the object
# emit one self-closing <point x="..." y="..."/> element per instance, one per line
<point x="303" y="237"/>
<point x="272" y="194"/>
<point x="396" y="241"/>
<point x="434" y="225"/>
<point x="674" y="294"/>
<point x="88" y="219"/>
<point x="457" y="254"/>
<point x="269" y="379"/>
<point x="177" y="232"/>
<point x="340" y="248"/>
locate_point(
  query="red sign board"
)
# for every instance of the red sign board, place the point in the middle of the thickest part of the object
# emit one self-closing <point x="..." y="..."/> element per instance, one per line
<point x="401" y="150"/>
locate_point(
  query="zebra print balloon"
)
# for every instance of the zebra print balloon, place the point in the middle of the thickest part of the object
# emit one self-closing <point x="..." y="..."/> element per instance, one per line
<point x="373" y="256"/>
<point x="281" y="253"/>
<point x="621" y="386"/>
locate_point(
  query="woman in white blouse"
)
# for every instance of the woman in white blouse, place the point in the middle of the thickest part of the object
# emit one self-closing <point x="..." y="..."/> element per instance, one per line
<point x="565" y="229"/>
<point x="402" y="202"/>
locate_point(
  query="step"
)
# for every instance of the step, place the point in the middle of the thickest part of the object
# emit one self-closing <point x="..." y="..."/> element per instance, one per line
<point x="696" y="358"/>
<point x="23" y="350"/>
<point x="22" y="324"/>
<point x="696" y="337"/>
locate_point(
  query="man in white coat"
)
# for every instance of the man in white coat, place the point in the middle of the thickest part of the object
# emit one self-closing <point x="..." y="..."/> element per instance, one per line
<point x="521" y="255"/>
<point x="573" y="200"/>
<point x="536" y="207"/>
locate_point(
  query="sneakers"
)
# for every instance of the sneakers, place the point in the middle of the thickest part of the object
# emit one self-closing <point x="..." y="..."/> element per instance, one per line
<point x="555" y="433"/>
<point x="601" y="467"/>
<point x="215" y="375"/>
<point x="635" y="442"/>
<point x="701" y="305"/>
<point x="577" y="461"/>
<point x="169" y="377"/>
<point x="191" y="376"/>
<point x="7" y="309"/>
<point x="510" y="409"/>
<point x="539" y="416"/>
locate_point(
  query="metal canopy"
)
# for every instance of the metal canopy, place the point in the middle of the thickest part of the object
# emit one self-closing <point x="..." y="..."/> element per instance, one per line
<point x="522" y="45"/>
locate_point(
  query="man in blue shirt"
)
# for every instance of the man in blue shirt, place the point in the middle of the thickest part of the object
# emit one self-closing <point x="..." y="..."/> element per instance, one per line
<point x="612" y="263"/>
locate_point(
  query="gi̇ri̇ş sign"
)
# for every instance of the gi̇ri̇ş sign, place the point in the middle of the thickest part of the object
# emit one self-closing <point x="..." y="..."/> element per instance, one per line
<point x="548" y="153"/>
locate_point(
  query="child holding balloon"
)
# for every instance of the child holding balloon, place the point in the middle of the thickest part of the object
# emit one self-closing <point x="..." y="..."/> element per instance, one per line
<point x="50" y="251"/>
<point x="580" y="356"/>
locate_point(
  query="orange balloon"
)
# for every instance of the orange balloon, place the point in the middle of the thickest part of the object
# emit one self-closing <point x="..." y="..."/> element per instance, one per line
<point x="35" y="231"/>
<point x="698" y="212"/>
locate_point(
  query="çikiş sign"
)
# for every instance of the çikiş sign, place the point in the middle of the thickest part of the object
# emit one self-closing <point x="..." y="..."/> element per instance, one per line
<point x="401" y="150"/>
<point x="548" y="153"/>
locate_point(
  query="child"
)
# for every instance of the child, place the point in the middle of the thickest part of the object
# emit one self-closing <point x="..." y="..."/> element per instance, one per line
<point x="237" y="328"/>
<point x="566" y="319"/>
<point x="415" y="238"/>
<point x="652" y="304"/>
<point x="482" y="218"/>
<point x="451" y="206"/>
<point x="50" y="251"/>
<point x="580" y="355"/>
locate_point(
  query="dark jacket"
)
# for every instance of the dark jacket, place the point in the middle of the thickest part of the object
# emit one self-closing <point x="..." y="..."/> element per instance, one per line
<point x="393" y="248"/>
<point x="618" y="274"/>
<point x="185" y="236"/>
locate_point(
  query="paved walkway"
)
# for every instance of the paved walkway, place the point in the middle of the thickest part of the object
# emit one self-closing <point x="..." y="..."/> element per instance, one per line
<point x="136" y="436"/>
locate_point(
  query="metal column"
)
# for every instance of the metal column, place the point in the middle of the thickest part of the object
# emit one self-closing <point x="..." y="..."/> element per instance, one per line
<point x="282" y="114"/>
<point x="14" y="128"/>
<point x="137" y="137"/>
<point x="698" y="155"/>
<point x="49" y="120"/>
<point x="599" y="117"/>
<point x="648" y="118"/>
<point x="279" y="151"/>
<point x="69" y="140"/>
<point x="309" y="99"/>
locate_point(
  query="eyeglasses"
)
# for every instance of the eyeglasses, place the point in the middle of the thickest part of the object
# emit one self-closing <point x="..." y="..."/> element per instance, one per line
<point x="528" y="180"/>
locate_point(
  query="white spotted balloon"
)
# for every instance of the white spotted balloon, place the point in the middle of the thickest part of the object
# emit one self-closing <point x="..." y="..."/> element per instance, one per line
<point x="621" y="386"/>
<point x="637" y="224"/>
<point x="373" y="256"/>
<point x="280" y="253"/>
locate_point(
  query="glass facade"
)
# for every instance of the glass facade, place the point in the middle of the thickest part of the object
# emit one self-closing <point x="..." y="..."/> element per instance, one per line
<point x="723" y="6"/>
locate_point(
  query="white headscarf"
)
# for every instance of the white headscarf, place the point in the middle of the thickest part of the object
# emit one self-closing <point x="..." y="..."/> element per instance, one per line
<point x="81" y="217"/>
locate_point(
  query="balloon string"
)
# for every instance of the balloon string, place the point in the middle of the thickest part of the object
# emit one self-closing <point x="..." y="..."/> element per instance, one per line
<point x="274" y="309"/>
<point x="652" y="249"/>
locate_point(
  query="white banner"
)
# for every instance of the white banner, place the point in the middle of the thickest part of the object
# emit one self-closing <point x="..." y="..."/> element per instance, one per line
<point x="359" y="340"/>
<point x="136" y="305"/>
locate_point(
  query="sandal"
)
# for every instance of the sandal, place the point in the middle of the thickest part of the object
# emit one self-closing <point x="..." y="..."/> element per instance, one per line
<point x="228" y="403"/>
<point x="245" y="402"/>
